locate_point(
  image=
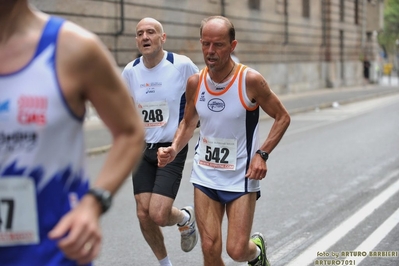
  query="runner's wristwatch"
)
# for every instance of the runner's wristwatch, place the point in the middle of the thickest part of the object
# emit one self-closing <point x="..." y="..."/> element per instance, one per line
<point x="103" y="197"/>
<point x="263" y="154"/>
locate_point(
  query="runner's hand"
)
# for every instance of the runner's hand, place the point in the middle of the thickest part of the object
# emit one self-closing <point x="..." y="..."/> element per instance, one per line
<point x="78" y="232"/>
<point x="165" y="155"/>
<point x="257" y="168"/>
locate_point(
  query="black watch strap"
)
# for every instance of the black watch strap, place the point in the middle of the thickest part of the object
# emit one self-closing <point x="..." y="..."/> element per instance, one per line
<point x="103" y="197"/>
<point x="263" y="154"/>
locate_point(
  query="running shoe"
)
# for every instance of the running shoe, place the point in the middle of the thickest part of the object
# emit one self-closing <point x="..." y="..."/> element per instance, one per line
<point x="188" y="231"/>
<point x="261" y="260"/>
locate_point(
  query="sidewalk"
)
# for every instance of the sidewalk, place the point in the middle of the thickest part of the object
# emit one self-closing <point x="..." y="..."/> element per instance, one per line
<point x="98" y="138"/>
<point x="324" y="98"/>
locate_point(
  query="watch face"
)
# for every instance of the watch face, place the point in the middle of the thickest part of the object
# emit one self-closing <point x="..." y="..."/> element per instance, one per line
<point x="107" y="199"/>
<point x="263" y="154"/>
<point x="103" y="196"/>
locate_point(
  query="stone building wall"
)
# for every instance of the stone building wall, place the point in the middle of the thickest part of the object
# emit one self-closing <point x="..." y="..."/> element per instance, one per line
<point x="298" y="45"/>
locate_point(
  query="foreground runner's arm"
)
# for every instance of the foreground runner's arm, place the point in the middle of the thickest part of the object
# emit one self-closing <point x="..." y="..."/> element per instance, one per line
<point x="87" y="72"/>
<point x="186" y="127"/>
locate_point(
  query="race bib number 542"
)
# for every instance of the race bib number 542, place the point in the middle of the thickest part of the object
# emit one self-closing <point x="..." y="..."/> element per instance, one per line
<point x="218" y="153"/>
<point x="18" y="212"/>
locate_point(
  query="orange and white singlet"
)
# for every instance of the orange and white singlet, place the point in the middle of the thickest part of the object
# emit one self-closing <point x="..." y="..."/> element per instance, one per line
<point x="228" y="134"/>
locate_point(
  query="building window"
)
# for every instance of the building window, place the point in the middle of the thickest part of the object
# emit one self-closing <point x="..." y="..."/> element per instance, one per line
<point x="356" y="11"/>
<point x="254" y="4"/>
<point x="341" y="10"/>
<point x="306" y="8"/>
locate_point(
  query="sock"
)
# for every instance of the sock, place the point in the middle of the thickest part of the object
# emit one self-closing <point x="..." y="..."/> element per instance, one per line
<point x="165" y="262"/>
<point x="257" y="254"/>
<point x="185" y="218"/>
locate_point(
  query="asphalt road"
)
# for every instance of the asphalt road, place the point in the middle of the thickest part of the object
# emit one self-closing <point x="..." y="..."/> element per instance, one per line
<point x="332" y="188"/>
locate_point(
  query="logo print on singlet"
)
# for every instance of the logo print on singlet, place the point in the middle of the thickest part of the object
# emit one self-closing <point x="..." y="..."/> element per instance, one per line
<point x="150" y="87"/>
<point x="4" y="106"/>
<point x="32" y="110"/>
<point x="216" y="105"/>
<point x="150" y="90"/>
<point x="151" y="84"/>
<point x="4" y="110"/>
<point x="18" y="140"/>
<point x="202" y="97"/>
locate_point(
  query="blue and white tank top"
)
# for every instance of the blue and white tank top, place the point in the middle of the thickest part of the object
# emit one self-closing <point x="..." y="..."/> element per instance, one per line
<point x="41" y="157"/>
<point x="159" y="93"/>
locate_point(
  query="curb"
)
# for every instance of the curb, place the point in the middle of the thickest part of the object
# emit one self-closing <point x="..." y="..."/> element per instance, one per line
<point x="325" y="105"/>
<point x="98" y="150"/>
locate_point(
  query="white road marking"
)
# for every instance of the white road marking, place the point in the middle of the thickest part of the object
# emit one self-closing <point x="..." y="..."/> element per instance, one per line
<point x="308" y="256"/>
<point x="379" y="234"/>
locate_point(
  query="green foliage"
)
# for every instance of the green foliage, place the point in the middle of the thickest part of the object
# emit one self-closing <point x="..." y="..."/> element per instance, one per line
<point x="387" y="38"/>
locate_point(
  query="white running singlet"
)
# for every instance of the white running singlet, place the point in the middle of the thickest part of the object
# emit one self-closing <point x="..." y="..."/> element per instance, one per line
<point x="228" y="135"/>
<point x="41" y="158"/>
<point x="159" y="93"/>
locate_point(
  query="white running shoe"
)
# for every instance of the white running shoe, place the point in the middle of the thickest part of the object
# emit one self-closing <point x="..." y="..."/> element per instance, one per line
<point x="188" y="231"/>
